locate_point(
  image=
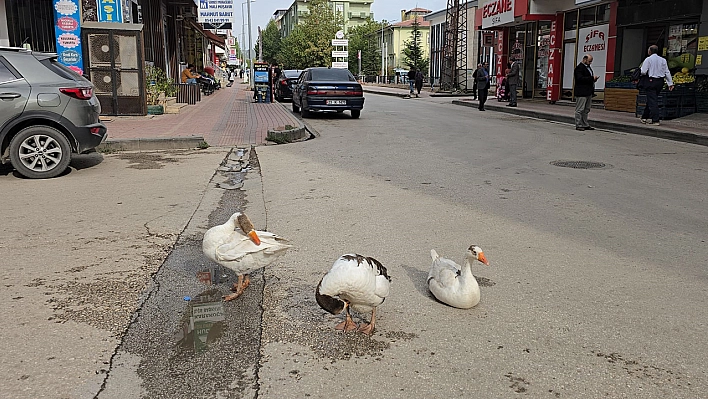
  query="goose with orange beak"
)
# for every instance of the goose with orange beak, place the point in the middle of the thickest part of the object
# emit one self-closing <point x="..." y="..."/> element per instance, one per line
<point x="238" y="246"/>
<point x="453" y="284"/>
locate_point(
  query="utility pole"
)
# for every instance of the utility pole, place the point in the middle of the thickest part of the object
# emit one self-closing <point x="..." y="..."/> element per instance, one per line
<point x="250" y="46"/>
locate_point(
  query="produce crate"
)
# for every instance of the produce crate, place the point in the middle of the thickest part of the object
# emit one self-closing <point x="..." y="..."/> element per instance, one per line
<point x="623" y="100"/>
<point x="620" y="85"/>
<point x="685" y="111"/>
<point x="702" y="102"/>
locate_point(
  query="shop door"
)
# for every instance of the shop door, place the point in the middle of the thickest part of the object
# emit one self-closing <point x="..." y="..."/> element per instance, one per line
<point x="115" y="58"/>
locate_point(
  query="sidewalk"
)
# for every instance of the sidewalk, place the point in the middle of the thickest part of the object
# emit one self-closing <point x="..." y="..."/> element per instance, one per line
<point x="229" y="117"/>
<point x="691" y="129"/>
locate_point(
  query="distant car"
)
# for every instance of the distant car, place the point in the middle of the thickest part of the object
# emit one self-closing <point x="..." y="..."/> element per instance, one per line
<point x="284" y="85"/>
<point x="327" y="89"/>
<point x="47" y="113"/>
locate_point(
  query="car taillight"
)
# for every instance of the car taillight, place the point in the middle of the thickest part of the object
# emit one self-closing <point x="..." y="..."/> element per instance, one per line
<point x="353" y="93"/>
<point x="315" y="92"/>
<point x="80" y="93"/>
<point x="283" y="82"/>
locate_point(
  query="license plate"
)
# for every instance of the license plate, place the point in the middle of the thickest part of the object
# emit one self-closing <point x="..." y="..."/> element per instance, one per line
<point x="336" y="102"/>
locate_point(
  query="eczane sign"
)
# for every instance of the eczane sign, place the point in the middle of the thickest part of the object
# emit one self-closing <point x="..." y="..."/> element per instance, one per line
<point x="497" y="12"/>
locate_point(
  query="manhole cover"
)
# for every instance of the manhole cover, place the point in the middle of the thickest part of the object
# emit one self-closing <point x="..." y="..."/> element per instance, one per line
<point x="579" y="164"/>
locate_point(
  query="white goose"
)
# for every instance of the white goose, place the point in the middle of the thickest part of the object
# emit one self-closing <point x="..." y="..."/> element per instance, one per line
<point x="454" y="284"/>
<point x="242" y="250"/>
<point x="355" y="281"/>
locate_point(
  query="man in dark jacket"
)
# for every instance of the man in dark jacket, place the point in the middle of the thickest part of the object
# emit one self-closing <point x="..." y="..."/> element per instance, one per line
<point x="584" y="88"/>
<point x="482" y="84"/>
<point x="411" y="80"/>
<point x="514" y="77"/>
<point x="474" y="82"/>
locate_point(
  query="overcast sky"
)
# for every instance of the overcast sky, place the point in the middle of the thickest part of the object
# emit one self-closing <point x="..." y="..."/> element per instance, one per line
<point x="262" y="11"/>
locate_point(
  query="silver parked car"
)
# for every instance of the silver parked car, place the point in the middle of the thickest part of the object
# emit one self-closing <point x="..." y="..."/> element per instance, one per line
<point x="47" y="112"/>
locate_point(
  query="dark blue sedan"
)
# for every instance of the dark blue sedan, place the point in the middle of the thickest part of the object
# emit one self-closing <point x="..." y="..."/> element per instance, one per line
<point x="327" y="89"/>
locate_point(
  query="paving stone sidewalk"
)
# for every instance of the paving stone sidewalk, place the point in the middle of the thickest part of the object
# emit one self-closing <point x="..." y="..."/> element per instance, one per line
<point x="691" y="129"/>
<point x="229" y="117"/>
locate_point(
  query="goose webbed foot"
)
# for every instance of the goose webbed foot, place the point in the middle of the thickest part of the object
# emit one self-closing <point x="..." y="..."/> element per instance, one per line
<point x="348" y="324"/>
<point x="239" y="286"/>
<point x="368" y="329"/>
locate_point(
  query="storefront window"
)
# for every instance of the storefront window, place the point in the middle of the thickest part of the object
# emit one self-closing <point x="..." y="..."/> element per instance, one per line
<point x="683" y="41"/>
<point x="544" y="44"/>
<point x="587" y="17"/>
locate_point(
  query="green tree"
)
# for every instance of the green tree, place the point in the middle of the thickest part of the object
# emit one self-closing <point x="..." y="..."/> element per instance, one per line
<point x="271" y="43"/>
<point x="365" y="38"/>
<point x="310" y="43"/>
<point x="413" y="51"/>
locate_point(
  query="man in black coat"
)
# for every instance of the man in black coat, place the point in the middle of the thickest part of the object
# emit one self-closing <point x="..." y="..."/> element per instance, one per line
<point x="584" y="88"/>
<point x="482" y="84"/>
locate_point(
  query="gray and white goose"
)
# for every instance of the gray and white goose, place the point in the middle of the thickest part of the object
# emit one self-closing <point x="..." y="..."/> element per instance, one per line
<point x="453" y="284"/>
<point x="357" y="282"/>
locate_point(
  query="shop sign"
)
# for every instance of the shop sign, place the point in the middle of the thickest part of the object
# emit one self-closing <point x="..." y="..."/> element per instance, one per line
<point x="593" y="41"/>
<point x="501" y="64"/>
<point x="340" y="42"/>
<point x="554" y="60"/>
<point x="67" y="31"/>
<point x="340" y="54"/>
<point x="215" y="12"/>
<point x="110" y="11"/>
<point x="497" y="12"/>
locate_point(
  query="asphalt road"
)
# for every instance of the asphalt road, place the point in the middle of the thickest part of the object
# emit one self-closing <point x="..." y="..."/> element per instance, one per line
<point x="597" y="282"/>
<point x="596" y="287"/>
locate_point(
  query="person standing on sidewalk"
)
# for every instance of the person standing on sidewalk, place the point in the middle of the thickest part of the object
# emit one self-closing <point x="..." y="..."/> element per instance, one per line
<point x="656" y="71"/>
<point x="513" y="77"/>
<point x="482" y="84"/>
<point x="418" y="82"/>
<point x="411" y="80"/>
<point x="474" y="82"/>
<point x="584" y="89"/>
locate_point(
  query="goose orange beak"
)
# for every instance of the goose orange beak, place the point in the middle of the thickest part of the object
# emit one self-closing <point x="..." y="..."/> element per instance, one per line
<point x="483" y="258"/>
<point x="254" y="237"/>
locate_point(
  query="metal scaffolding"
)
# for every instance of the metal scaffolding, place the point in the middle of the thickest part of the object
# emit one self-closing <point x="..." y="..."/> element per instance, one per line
<point x="454" y="56"/>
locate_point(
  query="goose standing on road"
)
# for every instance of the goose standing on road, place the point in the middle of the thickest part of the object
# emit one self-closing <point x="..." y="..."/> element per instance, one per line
<point x="357" y="282"/>
<point x="454" y="284"/>
<point x="238" y="246"/>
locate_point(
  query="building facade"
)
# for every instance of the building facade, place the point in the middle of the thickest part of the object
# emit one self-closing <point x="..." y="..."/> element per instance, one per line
<point x="353" y="12"/>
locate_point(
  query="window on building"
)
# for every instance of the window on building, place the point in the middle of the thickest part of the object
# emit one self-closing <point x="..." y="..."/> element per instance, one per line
<point x="571" y="20"/>
<point x="587" y="17"/>
<point x="603" y="14"/>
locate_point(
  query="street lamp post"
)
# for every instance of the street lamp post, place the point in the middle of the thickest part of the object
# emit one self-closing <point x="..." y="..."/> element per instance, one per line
<point x="384" y="56"/>
<point x="243" y="37"/>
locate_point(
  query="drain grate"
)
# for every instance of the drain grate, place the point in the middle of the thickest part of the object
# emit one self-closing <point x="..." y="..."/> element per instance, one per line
<point x="579" y="164"/>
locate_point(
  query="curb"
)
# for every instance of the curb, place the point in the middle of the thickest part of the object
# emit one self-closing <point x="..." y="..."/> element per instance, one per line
<point x="287" y="136"/>
<point x="386" y="93"/>
<point x="619" y="127"/>
<point x="168" y="143"/>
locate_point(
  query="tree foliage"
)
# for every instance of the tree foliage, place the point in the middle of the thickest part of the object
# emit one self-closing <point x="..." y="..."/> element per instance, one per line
<point x="413" y="55"/>
<point x="272" y="42"/>
<point x="310" y="43"/>
<point x="365" y="38"/>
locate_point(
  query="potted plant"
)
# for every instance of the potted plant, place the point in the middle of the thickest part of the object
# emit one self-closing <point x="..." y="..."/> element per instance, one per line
<point x="157" y="87"/>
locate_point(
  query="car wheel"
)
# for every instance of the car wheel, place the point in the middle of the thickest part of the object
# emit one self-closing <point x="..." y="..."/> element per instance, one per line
<point x="295" y="107"/>
<point x="40" y="152"/>
<point x="356" y="113"/>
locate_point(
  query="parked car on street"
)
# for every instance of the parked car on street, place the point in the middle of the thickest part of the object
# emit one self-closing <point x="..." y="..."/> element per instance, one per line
<point x="327" y="89"/>
<point x="284" y="85"/>
<point x="47" y="113"/>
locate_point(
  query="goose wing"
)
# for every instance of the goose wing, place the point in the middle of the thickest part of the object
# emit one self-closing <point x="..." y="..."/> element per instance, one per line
<point x="443" y="271"/>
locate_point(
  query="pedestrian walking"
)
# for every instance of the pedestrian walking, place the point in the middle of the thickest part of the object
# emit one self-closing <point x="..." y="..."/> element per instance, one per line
<point x="584" y="89"/>
<point x="474" y="82"/>
<point x="654" y="72"/>
<point x="482" y="81"/>
<point x="514" y="78"/>
<point x="419" y="82"/>
<point x="411" y="80"/>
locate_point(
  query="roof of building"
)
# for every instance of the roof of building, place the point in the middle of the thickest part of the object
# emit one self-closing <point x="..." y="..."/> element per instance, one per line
<point x="409" y="22"/>
<point x="418" y="9"/>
